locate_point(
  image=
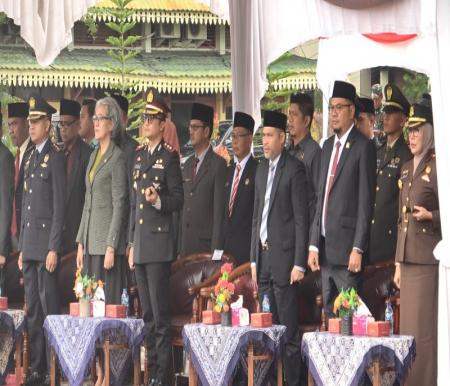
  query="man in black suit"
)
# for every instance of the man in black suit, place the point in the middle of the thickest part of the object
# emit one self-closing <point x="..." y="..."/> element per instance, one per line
<point x="240" y="191"/>
<point x="279" y="243"/>
<point x="157" y="194"/>
<point x="390" y="158"/>
<point x="77" y="154"/>
<point x="341" y="227"/>
<point x="365" y="120"/>
<point x="86" y="130"/>
<point x="6" y="201"/>
<point x="302" y="145"/>
<point x="204" y="188"/>
<point x="18" y="130"/>
<point x="41" y="232"/>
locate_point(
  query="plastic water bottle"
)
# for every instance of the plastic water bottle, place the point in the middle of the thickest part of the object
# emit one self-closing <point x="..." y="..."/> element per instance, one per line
<point x="266" y="304"/>
<point x="389" y="316"/>
<point x="125" y="300"/>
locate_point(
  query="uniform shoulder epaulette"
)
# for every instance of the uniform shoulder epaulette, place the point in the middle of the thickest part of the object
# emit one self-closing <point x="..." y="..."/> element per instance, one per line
<point x="168" y="147"/>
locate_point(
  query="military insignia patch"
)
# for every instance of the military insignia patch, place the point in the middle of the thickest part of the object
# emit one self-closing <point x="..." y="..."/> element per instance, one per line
<point x="43" y="165"/>
<point x="426" y="178"/>
<point x="32" y="103"/>
<point x="46" y="158"/>
<point x="428" y="169"/>
<point x="405" y="174"/>
<point x="411" y="111"/>
<point x="400" y="184"/>
<point x="150" y="97"/>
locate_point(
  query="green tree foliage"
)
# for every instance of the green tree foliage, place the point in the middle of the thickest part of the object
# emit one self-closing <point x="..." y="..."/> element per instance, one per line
<point x="123" y="51"/>
<point x="415" y="84"/>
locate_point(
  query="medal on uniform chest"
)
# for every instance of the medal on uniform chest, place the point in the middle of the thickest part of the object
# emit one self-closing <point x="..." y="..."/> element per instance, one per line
<point x="400" y="184"/>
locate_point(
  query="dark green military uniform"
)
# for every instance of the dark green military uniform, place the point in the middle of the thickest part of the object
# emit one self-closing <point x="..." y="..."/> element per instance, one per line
<point x="41" y="231"/>
<point x="390" y="159"/>
<point x="152" y="237"/>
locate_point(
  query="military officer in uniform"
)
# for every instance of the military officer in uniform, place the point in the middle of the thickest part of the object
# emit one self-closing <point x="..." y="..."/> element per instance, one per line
<point x="77" y="154"/>
<point x="6" y="201"/>
<point x="390" y="158"/>
<point x="419" y="231"/>
<point x="303" y="146"/>
<point x="204" y="177"/>
<point x="377" y="97"/>
<point x="20" y="137"/>
<point x="157" y="194"/>
<point x="41" y="231"/>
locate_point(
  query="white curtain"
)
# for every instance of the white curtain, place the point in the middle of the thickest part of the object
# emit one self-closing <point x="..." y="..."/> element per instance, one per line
<point x="46" y="25"/>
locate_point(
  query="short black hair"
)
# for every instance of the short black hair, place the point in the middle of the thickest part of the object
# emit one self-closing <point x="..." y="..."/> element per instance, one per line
<point x="90" y="103"/>
<point x="305" y="105"/>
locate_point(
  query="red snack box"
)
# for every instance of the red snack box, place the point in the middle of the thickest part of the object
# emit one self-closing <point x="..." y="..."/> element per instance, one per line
<point x="116" y="311"/>
<point x="334" y="325"/>
<point x="3" y="303"/>
<point x="378" y="329"/>
<point x="210" y="317"/>
<point x="74" y="309"/>
<point x="261" y="319"/>
<point x="359" y="325"/>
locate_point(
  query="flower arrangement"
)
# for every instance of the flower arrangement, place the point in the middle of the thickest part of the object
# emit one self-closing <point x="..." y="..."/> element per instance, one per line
<point x="85" y="285"/>
<point x="346" y="302"/>
<point x="223" y="290"/>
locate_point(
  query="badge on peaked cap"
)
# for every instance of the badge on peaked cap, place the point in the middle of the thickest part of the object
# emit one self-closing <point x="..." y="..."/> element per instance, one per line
<point x="32" y="103"/>
<point x="411" y="111"/>
<point x="150" y="96"/>
<point x="389" y="93"/>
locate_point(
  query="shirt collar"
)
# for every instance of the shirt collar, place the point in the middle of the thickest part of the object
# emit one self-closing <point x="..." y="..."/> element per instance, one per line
<point x="243" y="161"/>
<point x="41" y="146"/>
<point x="24" y="146"/>
<point x="275" y="161"/>
<point x="202" y="155"/>
<point x="343" y="139"/>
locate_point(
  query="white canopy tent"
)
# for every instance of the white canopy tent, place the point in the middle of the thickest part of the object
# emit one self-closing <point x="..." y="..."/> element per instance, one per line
<point x="262" y="30"/>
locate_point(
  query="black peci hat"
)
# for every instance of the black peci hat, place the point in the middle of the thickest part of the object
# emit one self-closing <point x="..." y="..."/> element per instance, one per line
<point x="18" y="110"/>
<point x="365" y="105"/>
<point x="344" y="90"/>
<point x="275" y="119"/>
<point x="243" y="120"/>
<point x="203" y="113"/>
<point x="122" y="102"/>
<point x="301" y="98"/>
<point x="69" y="107"/>
<point x="39" y="107"/>
<point x="395" y="101"/>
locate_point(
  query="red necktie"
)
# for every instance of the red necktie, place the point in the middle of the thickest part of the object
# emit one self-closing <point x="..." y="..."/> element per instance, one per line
<point x="234" y="189"/>
<point x="331" y="179"/>
<point x="16" y="182"/>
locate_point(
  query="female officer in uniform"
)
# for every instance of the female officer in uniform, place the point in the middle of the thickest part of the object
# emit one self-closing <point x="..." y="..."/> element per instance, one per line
<point x="419" y="231"/>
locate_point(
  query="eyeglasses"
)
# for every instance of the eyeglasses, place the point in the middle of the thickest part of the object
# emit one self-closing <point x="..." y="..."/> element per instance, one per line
<point x="238" y="136"/>
<point x="196" y="127"/>
<point x="337" y="108"/>
<point x="414" y="132"/>
<point x="65" y="124"/>
<point x="145" y="118"/>
<point x="98" y="118"/>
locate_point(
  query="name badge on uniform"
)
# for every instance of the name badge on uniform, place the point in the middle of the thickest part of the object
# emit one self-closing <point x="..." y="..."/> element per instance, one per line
<point x="158" y="166"/>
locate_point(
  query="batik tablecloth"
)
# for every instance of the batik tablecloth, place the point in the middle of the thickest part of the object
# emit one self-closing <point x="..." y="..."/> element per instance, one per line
<point x="12" y="323"/>
<point x="215" y="350"/>
<point x="334" y="359"/>
<point x="74" y="341"/>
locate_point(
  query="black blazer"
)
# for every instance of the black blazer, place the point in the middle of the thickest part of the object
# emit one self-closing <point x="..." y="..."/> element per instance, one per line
<point x="287" y="222"/>
<point x="6" y="198"/>
<point x="19" y="188"/>
<point x="238" y="227"/>
<point x="76" y="190"/>
<point x="43" y="203"/>
<point x="350" y="201"/>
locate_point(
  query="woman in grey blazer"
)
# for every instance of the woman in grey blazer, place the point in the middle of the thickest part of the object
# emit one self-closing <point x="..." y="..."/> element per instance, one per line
<point x="101" y="236"/>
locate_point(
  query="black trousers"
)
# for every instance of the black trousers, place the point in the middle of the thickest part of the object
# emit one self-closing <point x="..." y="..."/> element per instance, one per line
<point x="334" y="278"/>
<point x="284" y="308"/>
<point x="153" y="286"/>
<point x="41" y="297"/>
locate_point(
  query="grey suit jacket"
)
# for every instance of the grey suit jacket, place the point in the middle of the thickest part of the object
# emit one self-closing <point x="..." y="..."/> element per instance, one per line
<point x="103" y="222"/>
<point x="6" y="198"/>
<point x="204" y="205"/>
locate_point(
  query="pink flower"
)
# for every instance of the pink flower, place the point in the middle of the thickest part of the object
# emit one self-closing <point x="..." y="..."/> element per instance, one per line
<point x="227" y="267"/>
<point x="231" y="287"/>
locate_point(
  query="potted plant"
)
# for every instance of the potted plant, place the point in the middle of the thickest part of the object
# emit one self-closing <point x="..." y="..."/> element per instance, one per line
<point x="223" y="292"/>
<point x="344" y="306"/>
<point x="84" y="289"/>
